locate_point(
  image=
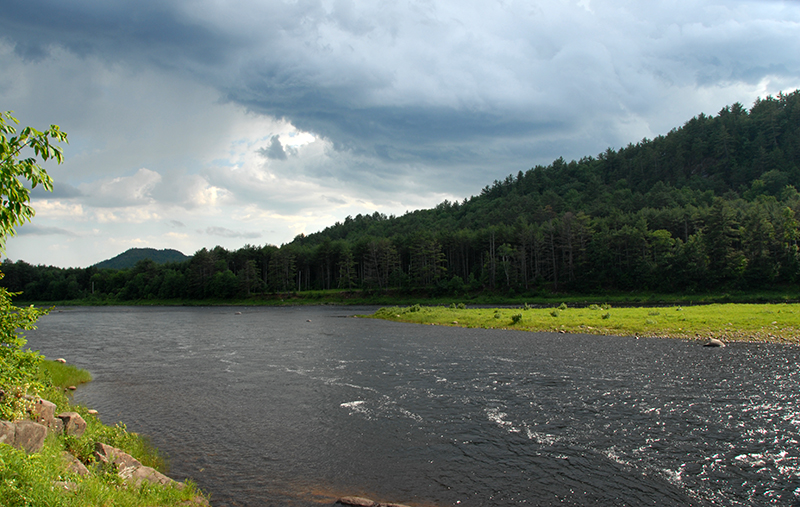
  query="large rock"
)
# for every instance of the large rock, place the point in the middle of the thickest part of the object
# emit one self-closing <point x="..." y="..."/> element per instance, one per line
<point x="129" y="468"/>
<point x="29" y="436"/>
<point x="73" y="465"/>
<point x="8" y="432"/>
<point x="44" y="413"/>
<point x="356" y="501"/>
<point x="73" y="423"/>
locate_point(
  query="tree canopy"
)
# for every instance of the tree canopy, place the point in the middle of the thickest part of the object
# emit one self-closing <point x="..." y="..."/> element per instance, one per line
<point x="711" y="205"/>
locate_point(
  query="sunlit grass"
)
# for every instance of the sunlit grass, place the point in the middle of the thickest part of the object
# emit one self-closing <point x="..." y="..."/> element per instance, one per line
<point x="746" y="322"/>
<point x="64" y="375"/>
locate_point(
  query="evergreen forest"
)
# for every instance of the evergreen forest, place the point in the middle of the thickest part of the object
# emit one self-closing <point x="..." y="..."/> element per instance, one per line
<point x="710" y="206"/>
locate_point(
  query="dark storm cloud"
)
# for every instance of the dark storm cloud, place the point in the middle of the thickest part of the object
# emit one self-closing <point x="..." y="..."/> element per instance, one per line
<point x="424" y="82"/>
<point x="274" y="151"/>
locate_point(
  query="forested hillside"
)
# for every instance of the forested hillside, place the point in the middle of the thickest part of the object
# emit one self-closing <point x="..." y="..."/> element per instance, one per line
<point x="711" y="205"/>
<point x="130" y="257"/>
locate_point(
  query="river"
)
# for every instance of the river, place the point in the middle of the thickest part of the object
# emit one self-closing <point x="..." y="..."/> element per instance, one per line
<point x="296" y="406"/>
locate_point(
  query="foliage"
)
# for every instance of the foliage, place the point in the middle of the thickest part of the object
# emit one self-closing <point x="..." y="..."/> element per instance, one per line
<point x="14" y="196"/>
<point x="130" y="257"/>
<point x="710" y="206"/>
<point x="62" y="375"/>
<point x="19" y="367"/>
<point x="729" y="322"/>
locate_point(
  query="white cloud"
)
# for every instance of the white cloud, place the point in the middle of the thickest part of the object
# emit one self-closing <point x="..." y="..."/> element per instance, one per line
<point x="275" y="118"/>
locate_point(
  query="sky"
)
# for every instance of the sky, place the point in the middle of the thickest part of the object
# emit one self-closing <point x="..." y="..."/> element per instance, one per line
<point x="200" y="123"/>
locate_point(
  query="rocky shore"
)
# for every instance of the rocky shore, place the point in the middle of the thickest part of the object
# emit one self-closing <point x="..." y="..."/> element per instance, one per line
<point x="29" y="435"/>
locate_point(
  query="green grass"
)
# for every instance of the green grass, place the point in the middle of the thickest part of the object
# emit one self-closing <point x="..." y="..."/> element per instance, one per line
<point x="729" y="322"/>
<point x="26" y="480"/>
<point x="63" y="375"/>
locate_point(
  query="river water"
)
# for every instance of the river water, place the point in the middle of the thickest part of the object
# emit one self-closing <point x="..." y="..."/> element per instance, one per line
<point x="297" y="406"/>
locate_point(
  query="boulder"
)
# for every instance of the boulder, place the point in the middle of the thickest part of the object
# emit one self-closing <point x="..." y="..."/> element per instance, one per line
<point x="29" y="436"/>
<point x="107" y="454"/>
<point x="73" y="423"/>
<point x="73" y="465"/>
<point x="44" y="413"/>
<point x="129" y="468"/>
<point x="356" y="501"/>
<point x="8" y="432"/>
<point x="713" y="342"/>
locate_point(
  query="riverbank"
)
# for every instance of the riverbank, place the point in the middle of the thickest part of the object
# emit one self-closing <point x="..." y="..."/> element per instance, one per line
<point x="778" y="323"/>
<point x="66" y="469"/>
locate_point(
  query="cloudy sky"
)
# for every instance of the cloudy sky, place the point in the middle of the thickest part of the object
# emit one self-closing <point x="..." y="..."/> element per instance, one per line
<point x="213" y="122"/>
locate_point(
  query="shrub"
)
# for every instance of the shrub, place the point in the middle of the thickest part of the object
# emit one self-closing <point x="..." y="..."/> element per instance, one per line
<point x="594" y="307"/>
<point x="562" y="306"/>
<point x="554" y="313"/>
<point x="606" y="316"/>
<point x="516" y="318"/>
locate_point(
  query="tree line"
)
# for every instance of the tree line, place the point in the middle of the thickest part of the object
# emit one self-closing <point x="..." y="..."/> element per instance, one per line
<point x="712" y="205"/>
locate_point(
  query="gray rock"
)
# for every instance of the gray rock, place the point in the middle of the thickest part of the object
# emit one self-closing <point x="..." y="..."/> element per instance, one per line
<point x="356" y="501"/>
<point x="73" y="423"/>
<point x="129" y="468"/>
<point x="29" y="436"/>
<point x="44" y="412"/>
<point x="713" y="342"/>
<point x="73" y="465"/>
<point x="8" y="433"/>
<point x="107" y="454"/>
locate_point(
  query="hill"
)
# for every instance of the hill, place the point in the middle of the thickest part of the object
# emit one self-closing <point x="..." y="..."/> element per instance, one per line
<point x="712" y="205"/>
<point x="129" y="258"/>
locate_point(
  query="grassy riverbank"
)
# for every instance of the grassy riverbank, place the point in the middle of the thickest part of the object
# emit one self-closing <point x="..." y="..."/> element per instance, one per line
<point x="27" y="480"/>
<point x="728" y="322"/>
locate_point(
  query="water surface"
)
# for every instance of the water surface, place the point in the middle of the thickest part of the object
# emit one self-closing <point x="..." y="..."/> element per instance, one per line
<point x="296" y="406"/>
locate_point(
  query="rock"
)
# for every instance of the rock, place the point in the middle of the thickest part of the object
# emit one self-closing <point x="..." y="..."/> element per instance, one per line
<point x="73" y="465"/>
<point x="61" y="360"/>
<point x="129" y="468"/>
<point x="73" y="423"/>
<point x="8" y="432"/>
<point x="44" y="412"/>
<point x="107" y="454"/>
<point x="92" y="411"/>
<point x="29" y="436"/>
<point x="71" y="388"/>
<point x="713" y="342"/>
<point x="356" y="501"/>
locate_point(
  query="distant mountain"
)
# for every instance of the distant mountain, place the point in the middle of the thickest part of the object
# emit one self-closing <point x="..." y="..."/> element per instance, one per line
<point x="129" y="258"/>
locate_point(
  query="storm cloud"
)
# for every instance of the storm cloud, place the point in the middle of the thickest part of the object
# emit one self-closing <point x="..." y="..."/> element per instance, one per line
<point x="289" y="115"/>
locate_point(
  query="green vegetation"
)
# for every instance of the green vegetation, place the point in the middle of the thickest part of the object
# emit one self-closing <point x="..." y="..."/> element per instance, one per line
<point x="63" y="375"/>
<point x="729" y="322"/>
<point x="27" y="480"/>
<point x="32" y="480"/>
<point x="710" y="207"/>
<point x="130" y="257"/>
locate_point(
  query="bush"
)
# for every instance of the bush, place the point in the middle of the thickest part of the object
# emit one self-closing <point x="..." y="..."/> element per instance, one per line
<point x="562" y="306"/>
<point x="516" y="318"/>
<point x="606" y="316"/>
<point x="554" y="313"/>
